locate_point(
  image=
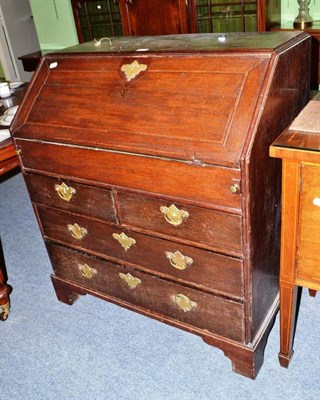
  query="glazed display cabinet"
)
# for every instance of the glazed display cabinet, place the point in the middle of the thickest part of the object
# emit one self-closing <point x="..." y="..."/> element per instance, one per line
<point x="234" y="16"/>
<point x="96" y="19"/>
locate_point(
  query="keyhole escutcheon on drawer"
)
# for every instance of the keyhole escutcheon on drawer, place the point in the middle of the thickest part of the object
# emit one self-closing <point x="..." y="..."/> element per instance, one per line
<point x="125" y="241"/>
<point x="64" y="191"/>
<point x="178" y="260"/>
<point x="173" y="215"/>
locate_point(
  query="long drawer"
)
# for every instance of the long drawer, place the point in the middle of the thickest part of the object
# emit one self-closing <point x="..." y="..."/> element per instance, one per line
<point x="150" y="174"/>
<point x="71" y="196"/>
<point x="197" y="267"/>
<point x="205" y="311"/>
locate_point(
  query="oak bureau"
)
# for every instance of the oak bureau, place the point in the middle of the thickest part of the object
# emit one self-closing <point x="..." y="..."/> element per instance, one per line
<point x="146" y="160"/>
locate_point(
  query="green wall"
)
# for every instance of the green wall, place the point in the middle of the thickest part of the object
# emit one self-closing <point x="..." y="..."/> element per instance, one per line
<point x="2" y="75"/>
<point x="54" y="23"/>
<point x="290" y="8"/>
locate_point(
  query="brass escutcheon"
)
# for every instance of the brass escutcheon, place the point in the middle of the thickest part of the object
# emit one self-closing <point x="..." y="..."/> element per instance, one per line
<point x="77" y="231"/>
<point x="133" y="69"/>
<point x="178" y="260"/>
<point x="125" y="241"/>
<point x="184" y="302"/>
<point x="173" y="215"/>
<point x="86" y="271"/>
<point x="64" y="191"/>
<point x="130" y="280"/>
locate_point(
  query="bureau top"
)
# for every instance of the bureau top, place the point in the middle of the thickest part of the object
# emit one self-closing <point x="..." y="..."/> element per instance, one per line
<point x="266" y="41"/>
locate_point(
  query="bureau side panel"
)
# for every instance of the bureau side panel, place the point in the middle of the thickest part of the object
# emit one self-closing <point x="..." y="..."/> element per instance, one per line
<point x="288" y="94"/>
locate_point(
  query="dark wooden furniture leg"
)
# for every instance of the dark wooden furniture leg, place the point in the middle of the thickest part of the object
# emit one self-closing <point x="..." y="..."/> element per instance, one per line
<point x="312" y="292"/>
<point x="5" y="290"/>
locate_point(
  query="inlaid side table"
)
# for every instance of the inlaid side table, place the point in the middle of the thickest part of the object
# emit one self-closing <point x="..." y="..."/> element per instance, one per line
<point x="299" y="149"/>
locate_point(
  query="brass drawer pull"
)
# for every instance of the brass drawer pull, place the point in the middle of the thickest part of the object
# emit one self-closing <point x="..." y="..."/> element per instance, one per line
<point x="184" y="302"/>
<point x="125" y="241"/>
<point x="178" y="260"/>
<point x="77" y="231"/>
<point x="64" y="191"/>
<point x="130" y="280"/>
<point x="235" y="188"/>
<point x="86" y="271"/>
<point x="173" y="215"/>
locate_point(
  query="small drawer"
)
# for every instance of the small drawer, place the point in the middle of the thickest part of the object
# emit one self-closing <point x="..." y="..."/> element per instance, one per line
<point x="71" y="196"/>
<point x="221" y="231"/>
<point x="189" y="306"/>
<point x="193" y="266"/>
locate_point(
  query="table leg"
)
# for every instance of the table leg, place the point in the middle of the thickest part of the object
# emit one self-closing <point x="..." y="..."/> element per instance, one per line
<point x="288" y="305"/>
<point x="5" y="290"/>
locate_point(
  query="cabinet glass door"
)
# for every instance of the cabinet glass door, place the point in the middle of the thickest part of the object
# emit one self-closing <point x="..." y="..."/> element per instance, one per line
<point x="97" y="19"/>
<point x="226" y="16"/>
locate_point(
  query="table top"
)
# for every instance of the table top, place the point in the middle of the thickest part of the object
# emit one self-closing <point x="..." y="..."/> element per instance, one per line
<point x="8" y="102"/>
<point x="304" y="132"/>
<point x="7" y="150"/>
<point x="308" y="141"/>
<point x="301" y="141"/>
<point x="35" y="55"/>
<point x="14" y="99"/>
